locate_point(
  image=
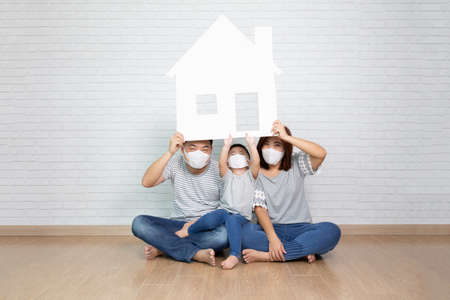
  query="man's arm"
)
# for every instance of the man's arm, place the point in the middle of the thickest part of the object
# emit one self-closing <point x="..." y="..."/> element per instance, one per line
<point x="154" y="174"/>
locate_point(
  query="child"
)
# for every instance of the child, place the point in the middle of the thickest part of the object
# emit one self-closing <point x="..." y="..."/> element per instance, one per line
<point x="239" y="173"/>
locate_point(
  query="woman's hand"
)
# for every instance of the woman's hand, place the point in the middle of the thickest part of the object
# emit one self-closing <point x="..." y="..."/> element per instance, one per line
<point x="276" y="249"/>
<point x="227" y="142"/>
<point x="278" y="129"/>
<point x="175" y="142"/>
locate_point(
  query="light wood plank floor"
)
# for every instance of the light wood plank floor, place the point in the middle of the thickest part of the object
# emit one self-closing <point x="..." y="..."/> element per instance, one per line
<point x="360" y="267"/>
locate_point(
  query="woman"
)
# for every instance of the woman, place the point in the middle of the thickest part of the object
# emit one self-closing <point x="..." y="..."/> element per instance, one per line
<point x="285" y="231"/>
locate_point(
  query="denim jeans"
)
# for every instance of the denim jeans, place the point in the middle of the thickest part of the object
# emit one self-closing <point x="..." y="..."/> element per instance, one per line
<point x="299" y="239"/>
<point x="233" y="224"/>
<point x="160" y="233"/>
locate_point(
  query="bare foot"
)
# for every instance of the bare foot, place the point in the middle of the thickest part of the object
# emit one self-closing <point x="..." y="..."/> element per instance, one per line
<point x="230" y="262"/>
<point x="311" y="258"/>
<point x="206" y="256"/>
<point x="152" y="252"/>
<point x="251" y="255"/>
<point x="183" y="232"/>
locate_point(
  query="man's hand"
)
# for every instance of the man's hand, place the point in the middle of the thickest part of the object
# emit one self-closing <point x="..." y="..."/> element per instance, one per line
<point x="176" y="141"/>
<point x="278" y="129"/>
<point x="276" y="249"/>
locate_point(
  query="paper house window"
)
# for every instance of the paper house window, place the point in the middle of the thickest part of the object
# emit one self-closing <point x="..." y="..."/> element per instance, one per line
<point x="225" y="83"/>
<point x="206" y="104"/>
<point x="247" y="112"/>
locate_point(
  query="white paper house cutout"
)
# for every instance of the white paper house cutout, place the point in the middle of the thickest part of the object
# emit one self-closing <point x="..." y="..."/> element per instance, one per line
<point x="223" y="64"/>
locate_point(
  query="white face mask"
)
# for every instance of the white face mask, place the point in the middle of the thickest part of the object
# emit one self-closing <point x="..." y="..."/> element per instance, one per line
<point x="237" y="161"/>
<point x="197" y="159"/>
<point x="272" y="156"/>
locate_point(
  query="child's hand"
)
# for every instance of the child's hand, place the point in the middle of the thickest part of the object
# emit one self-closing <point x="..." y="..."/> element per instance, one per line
<point x="250" y="140"/>
<point x="227" y="142"/>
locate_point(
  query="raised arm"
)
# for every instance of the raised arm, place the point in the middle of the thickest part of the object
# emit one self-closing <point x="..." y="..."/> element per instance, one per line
<point x="254" y="156"/>
<point x="223" y="166"/>
<point x="154" y="174"/>
<point x="316" y="152"/>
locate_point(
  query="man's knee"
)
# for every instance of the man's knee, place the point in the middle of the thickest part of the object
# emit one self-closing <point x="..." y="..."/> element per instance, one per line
<point x="138" y="225"/>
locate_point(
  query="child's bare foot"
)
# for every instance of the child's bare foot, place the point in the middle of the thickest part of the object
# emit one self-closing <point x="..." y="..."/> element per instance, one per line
<point x="206" y="256"/>
<point x="251" y="255"/>
<point x="311" y="258"/>
<point x="230" y="262"/>
<point x="152" y="252"/>
<point x="183" y="232"/>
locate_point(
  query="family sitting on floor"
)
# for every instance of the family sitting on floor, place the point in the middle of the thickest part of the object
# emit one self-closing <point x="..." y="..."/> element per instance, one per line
<point x="252" y="201"/>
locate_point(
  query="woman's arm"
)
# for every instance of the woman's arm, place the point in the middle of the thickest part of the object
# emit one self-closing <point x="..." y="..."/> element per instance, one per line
<point x="254" y="156"/>
<point x="153" y="176"/>
<point x="223" y="159"/>
<point x="316" y="152"/>
<point x="276" y="248"/>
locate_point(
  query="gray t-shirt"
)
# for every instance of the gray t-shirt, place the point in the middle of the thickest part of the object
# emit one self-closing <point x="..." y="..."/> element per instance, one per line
<point x="238" y="193"/>
<point x="283" y="195"/>
<point x="195" y="195"/>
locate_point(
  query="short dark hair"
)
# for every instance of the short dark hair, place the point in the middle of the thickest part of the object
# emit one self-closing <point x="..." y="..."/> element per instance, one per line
<point x="242" y="146"/>
<point x="285" y="162"/>
<point x="210" y="142"/>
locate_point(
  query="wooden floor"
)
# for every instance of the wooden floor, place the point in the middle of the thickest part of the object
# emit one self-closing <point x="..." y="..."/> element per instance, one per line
<point x="360" y="267"/>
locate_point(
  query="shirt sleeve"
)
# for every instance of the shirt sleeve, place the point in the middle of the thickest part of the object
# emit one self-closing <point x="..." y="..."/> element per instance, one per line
<point x="303" y="160"/>
<point x="170" y="167"/>
<point x="259" y="198"/>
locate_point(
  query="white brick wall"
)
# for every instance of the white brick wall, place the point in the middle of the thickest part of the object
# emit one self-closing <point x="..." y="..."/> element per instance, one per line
<point x="85" y="106"/>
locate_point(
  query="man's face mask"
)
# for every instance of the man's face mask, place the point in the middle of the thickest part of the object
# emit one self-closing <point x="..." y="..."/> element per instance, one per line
<point x="196" y="159"/>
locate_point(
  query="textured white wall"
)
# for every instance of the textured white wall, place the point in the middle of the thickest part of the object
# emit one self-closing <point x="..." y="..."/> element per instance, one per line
<point x="85" y="106"/>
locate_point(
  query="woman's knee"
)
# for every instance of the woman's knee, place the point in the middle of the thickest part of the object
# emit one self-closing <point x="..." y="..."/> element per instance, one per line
<point x="332" y="231"/>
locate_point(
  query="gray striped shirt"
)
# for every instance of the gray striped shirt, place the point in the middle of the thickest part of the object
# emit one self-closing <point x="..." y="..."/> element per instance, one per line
<point x="195" y="195"/>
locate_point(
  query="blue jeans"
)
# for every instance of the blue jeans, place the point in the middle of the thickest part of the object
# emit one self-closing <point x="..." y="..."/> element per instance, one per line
<point x="160" y="233"/>
<point x="299" y="239"/>
<point x="233" y="224"/>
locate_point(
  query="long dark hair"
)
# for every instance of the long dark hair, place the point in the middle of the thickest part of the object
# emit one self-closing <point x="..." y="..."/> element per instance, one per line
<point x="285" y="161"/>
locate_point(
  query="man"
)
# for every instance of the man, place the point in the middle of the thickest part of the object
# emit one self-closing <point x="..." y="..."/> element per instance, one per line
<point x="197" y="187"/>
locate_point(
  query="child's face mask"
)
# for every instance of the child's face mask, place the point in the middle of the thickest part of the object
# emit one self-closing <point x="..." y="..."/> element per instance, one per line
<point x="237" y="161"/>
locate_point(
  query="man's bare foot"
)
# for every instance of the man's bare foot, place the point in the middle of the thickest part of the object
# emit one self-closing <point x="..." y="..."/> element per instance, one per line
<point x="206" y="256"/>
<point x="183" y="232"/>
<point x="251" y="255"/>
<point x="152" y="252"/>
<point x="311" y="258"/>
<point x="230" y="262"/>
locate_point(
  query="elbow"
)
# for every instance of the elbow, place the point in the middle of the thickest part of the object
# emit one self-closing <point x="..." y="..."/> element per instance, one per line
<point x="146" y="185"/>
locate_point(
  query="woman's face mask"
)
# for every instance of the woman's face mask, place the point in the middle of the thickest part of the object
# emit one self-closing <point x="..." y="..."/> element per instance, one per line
<point x="272" y="156"/>
<point x="196" y="159"/>
<point x="237" y="161"/>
